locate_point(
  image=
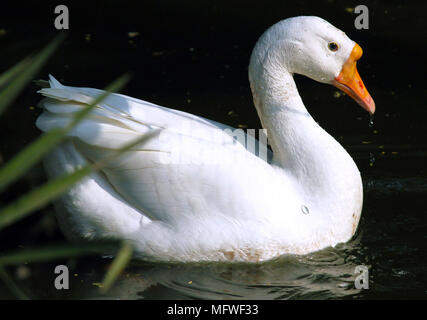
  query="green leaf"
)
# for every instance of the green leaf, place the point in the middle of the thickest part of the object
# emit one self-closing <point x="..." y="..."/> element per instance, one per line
<point x="117" y="266"/>
<point x="115" y="86"/>
<point x="30" y="155"/>
<point x="33" y="153"/>
<point x="8" y="75"/>
<point x="13" y="287"/>
<point x="12" y="90"/>
<point x="39" y="197"/>
<point x="57" y="252"/>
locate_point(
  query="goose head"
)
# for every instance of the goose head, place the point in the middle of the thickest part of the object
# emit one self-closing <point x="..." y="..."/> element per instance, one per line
<point x="312" y="47"/>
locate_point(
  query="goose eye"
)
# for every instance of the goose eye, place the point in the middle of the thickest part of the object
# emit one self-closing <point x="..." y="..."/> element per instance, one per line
<point x="333" y="46"/>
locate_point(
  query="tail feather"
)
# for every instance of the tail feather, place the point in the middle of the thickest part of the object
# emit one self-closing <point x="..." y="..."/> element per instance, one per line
<point x="54" y="83"/>
<point x="104" y="127"/>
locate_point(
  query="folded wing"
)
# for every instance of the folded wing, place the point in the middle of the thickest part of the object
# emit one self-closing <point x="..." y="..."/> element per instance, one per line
<point x="192" y="168"/>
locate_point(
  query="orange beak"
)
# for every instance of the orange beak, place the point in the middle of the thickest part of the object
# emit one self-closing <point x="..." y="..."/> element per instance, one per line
<point x="350" y="82"/>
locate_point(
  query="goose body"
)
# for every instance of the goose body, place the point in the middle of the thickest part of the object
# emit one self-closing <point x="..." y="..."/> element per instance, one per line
<point x="192" y="192"/>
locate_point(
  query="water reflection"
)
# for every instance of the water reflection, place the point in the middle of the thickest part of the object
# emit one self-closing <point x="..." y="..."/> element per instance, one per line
<point x="325" y="274"/>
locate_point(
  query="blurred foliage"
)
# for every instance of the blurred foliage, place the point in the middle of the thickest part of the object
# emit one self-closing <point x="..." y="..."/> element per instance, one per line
<point x="12" y="82"/>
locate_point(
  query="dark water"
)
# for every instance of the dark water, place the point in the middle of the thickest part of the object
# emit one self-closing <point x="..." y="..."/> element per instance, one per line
<point x="194" y="57"/>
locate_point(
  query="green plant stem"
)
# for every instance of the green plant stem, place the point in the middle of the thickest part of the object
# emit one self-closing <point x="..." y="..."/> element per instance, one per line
<point x="13" y="287"/>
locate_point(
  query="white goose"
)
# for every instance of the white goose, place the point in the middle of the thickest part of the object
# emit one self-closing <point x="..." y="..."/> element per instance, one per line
<point x="173" y="202"/>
